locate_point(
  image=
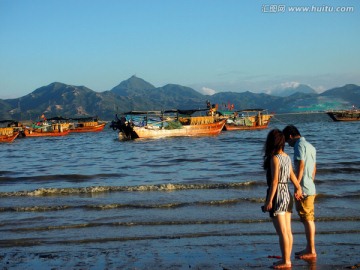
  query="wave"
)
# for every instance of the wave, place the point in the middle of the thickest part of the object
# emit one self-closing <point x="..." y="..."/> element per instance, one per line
<point x="61" y="241"/>
<point x="174" y="223"/>
<point x="349" y="163"/>
<point x="338" y="170"/>
<point x="67" y="177"/>
<point x="140" y="188"/>
<point x="338" y="182"/>
<point x="139" y="223"/>
<point x="41" y="208"/>
<point x="170" y="205"/>
<point x="348" y="196"/>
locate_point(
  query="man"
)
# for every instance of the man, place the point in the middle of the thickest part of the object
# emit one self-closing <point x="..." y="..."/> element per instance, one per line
<point x="305" y="170"/>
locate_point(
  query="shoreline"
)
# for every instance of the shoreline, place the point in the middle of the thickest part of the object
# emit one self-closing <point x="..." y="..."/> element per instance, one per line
<point x="179" y="253"/>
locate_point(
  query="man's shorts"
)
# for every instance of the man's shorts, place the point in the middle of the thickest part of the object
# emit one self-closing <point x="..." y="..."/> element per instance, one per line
<point x="305" y="208"/>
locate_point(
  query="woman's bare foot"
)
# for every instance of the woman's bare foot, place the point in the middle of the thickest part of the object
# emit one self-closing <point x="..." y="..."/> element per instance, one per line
<point x="282" y="266"/>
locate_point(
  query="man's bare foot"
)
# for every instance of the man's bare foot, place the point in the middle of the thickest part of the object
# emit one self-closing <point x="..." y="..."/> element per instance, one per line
<point x="278" y="262"/>
<point x="307" y="256"/>
<point x="299" y="253"/>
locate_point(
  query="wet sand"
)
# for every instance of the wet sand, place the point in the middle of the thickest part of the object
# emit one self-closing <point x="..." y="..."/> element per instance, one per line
<point x="186" y="253"/>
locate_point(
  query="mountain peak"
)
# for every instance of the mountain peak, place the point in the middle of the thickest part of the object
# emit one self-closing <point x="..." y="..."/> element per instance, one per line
<point x="132" y="85"/>
<point x="292" y="88"/>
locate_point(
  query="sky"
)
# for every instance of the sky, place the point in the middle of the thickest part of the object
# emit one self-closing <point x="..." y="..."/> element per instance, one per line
<point x="209" y="45"/>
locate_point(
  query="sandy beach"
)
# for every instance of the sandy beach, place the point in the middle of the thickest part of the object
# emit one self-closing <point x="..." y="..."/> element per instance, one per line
<point x="220" y="252"/>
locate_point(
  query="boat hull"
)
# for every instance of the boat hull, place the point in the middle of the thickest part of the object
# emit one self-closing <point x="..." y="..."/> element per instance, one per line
<point x="352" y="115"/>
<point x="96" y="128"/>
<point x="41" y="133"/>
<point x="211" y="129"/>
<point x="249" y="123"/>
<point x="8" y="138"/>
<point x="230" y="127"/>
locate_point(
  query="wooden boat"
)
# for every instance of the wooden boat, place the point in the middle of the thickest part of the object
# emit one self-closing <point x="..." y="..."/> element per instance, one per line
<point x="87" y="126"/>
<point x="156" y="124"/>
<point x="46" y="130"/>
<point x="8" y="135"/>
<point x="253" y="119"/>
<point x="13" y="125"/>
<point x="77" y="125"/>
<point x="345" y="115"/>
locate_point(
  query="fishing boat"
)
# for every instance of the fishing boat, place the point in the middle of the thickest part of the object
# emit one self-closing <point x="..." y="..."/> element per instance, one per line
<point x="345" y="115"/>
<point x="87" y="125"/>
<point x="16" y="127"/>
<point x="161" y="124"/>
<point x="252" y="119"/>
<point x="45" y="129"/>
<point x="8" y="135"/>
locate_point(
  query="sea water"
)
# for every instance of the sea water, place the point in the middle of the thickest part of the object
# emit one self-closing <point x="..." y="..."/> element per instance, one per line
<point x="88" y="193"/>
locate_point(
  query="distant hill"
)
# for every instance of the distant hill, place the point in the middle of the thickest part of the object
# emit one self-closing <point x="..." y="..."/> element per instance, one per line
<point x="288" y="91"/>
<point x="132" y="87"/>
<point x="59" y="99"/>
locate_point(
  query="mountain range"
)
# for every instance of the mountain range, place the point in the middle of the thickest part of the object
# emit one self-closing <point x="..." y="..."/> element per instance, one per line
<point x="59" y="99"/>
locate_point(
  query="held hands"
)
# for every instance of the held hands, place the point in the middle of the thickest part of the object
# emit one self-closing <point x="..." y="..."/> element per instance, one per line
<point x="298" y="194"/>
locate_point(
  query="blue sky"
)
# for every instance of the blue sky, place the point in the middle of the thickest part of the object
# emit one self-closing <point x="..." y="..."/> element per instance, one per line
<point x="209" y="45"/>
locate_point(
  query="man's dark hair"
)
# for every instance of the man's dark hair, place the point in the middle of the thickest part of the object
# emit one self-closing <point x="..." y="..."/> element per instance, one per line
<point x="291" y="130"/>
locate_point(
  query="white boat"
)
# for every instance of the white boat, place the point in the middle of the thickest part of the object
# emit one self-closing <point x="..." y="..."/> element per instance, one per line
<point x="160" y="124"/>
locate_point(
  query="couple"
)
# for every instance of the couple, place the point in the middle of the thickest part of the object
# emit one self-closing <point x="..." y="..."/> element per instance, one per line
<point x="279" y="202"/>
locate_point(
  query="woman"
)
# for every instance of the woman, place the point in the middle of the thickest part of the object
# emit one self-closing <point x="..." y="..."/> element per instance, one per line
<point x="279" y="201"/>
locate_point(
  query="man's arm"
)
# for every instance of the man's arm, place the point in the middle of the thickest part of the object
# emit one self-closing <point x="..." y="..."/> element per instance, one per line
<point x="300" y="172"/>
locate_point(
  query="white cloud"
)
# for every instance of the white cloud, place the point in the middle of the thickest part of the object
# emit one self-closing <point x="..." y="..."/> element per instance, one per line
<point x="319" y="88"/>
<point x="289" y="85"/>
<point x="207" y="91"/>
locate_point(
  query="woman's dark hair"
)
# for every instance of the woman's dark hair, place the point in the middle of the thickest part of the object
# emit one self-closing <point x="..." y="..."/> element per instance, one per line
<point x="290" y="130"/>
<point x="275" y="142"/>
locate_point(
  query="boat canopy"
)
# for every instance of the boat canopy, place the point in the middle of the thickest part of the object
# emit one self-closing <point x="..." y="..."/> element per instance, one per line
<point x="8" y="123"/>
<point x="57" y="118"/>
<point x="185" y="112"/>
<point x="84" y="119"/>
<point x="252" y="110"/>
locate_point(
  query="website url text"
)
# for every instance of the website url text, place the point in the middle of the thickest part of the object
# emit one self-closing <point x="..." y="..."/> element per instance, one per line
<point x="310" y="9"/>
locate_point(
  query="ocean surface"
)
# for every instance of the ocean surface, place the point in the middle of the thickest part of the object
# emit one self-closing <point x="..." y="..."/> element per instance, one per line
<point x="95" y="200"/>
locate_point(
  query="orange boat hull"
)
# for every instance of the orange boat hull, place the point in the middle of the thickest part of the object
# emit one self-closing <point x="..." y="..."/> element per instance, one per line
<point x="40" y="133"/>
<point x="256" y="123"/>
<point x="8" y="138"/>
<point x="96" y="128"/>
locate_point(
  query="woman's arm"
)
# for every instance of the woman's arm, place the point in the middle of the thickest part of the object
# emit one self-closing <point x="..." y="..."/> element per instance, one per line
<point x="274" y="165"/>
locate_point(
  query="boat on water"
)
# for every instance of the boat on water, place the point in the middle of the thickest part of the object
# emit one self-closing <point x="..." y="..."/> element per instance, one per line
<point x="161" y="124"/>
<point x="86" y="125"/>
<point x="46" y="129"/>
<point x="345" y="115"/>
<point x="10" y="127"/>
<point x="251" y="119"/>
<point x="8" y="135"/>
